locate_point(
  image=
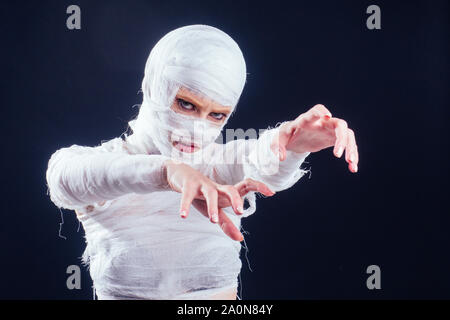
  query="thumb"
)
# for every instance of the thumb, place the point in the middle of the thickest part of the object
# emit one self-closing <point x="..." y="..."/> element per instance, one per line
<point x="280" y="140"/>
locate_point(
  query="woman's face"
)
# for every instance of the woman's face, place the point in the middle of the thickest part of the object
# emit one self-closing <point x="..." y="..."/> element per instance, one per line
<point x="188" y="103"/>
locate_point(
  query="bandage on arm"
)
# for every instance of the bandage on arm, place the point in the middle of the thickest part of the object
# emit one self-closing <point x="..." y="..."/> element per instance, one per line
<point x="257" y="161"/>
<point x="264" y="165"/>
<point x="78" y="176"/>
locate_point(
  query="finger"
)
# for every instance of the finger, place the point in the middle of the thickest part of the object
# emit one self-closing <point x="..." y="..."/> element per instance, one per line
<point x="211" y="196"/>
<point x="235" y="199"/>
<point x="248" y="185"/>
<point x="323" y="110"/>
<point x="341" y="136"/>
<point x="309" y="117"/>
<point x="225" y="223"/>
<point x="188" y="195"/>
<point x="315" y="113"/>
<point x="351" y="152"/>
<point x="228" y="227"/>
<point x="201" y="206"/>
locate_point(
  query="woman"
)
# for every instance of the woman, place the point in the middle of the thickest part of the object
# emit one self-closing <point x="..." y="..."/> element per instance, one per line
<point x="129" y="192"/>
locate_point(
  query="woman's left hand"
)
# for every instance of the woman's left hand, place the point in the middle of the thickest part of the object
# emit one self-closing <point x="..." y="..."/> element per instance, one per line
<point x="316" y="130"/>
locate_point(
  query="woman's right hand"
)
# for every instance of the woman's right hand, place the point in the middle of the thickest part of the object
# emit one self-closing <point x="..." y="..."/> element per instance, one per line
<point x="210" y="197"/>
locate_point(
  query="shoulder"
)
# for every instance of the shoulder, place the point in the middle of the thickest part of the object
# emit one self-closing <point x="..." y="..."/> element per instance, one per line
<point x="114" y="145"/>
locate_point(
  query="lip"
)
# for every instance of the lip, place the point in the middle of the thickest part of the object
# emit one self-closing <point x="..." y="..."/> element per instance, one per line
<point x="187" y="147"/>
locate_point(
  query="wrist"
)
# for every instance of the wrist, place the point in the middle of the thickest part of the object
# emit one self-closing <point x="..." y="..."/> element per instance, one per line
<point x="291" y="131"/>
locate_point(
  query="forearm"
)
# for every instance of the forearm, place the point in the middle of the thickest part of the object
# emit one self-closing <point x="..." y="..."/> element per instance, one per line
<point x="264" y="165"/>
<point x="78" y="176"/>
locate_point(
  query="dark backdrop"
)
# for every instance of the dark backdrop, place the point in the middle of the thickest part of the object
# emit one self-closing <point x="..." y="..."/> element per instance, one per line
<point x="313" y="241"/>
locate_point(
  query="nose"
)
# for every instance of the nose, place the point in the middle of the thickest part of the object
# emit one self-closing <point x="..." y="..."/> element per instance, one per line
<point x="203" y="115"/>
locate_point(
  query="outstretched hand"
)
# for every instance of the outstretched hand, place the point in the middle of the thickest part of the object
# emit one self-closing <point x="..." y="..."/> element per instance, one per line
<point x="210" y="197"/>
<point x="316" y="130"/>
<point x="225" y="222"/>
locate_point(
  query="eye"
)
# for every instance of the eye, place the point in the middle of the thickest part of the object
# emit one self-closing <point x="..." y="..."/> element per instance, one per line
<point x="218" y="116"/>
<point x="185" y="105"/>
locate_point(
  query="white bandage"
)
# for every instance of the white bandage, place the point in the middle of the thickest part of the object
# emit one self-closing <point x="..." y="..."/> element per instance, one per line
<point x="200" y="58"/>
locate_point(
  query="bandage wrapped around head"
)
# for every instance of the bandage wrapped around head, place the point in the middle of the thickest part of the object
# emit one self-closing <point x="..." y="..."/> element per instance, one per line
<point x="200" y="58"/>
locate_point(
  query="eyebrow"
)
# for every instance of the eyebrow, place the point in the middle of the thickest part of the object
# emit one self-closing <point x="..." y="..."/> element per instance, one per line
<point x="194" y="101"/>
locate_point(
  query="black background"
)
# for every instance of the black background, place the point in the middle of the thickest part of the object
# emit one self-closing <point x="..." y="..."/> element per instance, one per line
<point x="314" y="241"/>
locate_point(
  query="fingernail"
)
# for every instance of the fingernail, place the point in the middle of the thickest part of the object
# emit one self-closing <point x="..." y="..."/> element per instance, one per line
<point x="355" y="167"/>
<point x="242" y="238"/>
<point x="352" y="157"/>
<point x="183" y="214"/>
<point x="339" y="153"/>
<point x="214" y="218"/>
<point x="240" y="209"/>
